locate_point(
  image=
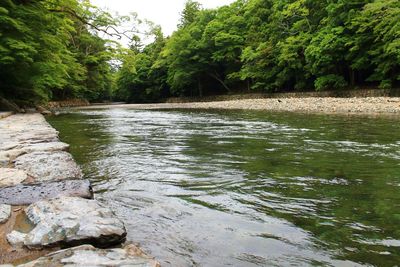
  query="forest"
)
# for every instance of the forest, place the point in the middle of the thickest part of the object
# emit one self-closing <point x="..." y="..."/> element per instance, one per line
<point x="60" y="49"/>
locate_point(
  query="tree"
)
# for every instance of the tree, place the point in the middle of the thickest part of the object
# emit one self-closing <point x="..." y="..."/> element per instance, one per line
<point x="189" y="13"/>
<point x="140" y="78"/>
<point x="376" y="44"/>
<point x="286" y="45"/>
<point x="51" y="50"/>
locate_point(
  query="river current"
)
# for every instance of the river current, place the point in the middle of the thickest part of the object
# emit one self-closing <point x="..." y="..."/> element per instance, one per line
<point x="245" y="188"/>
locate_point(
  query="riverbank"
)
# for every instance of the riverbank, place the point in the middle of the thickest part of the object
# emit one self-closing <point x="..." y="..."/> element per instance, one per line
<point x="46" y="204"/>
<point x="364" y="105"/>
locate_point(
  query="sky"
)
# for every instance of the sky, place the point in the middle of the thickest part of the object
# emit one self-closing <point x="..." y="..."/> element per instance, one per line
<point x="165" y="13"/>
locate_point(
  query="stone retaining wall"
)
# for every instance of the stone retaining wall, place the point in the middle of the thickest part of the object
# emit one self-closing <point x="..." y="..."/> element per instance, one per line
<point x="341" y="93"/>
<point x="67" y="103"/>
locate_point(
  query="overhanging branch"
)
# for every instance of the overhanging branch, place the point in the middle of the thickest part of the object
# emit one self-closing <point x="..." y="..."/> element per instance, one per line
<point x="115" y="32"/>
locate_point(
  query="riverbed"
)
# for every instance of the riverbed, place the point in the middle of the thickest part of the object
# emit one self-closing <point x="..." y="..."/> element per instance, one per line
<point x="327" y="105"/>
<point x="245" y="188"/>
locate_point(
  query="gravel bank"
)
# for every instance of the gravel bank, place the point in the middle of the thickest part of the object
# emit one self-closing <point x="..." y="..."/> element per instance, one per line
<point x="368" y="105"/>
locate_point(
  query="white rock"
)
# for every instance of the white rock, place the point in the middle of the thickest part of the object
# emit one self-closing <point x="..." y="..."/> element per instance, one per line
<point x="72" y="220"/>
<point x="5" y="213"/>
<point x="16" y="239"/>
<point x="46" y="147"/>
<point x="10" y="177"/>
<point x="87" y="255"/>
<point x="49" y="166"/>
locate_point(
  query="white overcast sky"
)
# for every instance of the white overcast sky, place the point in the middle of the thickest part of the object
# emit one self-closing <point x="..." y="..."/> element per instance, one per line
<point x="162" y="12"/>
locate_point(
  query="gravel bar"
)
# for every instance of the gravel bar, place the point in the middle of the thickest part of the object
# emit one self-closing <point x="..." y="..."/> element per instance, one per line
<point x="365" y="105"/>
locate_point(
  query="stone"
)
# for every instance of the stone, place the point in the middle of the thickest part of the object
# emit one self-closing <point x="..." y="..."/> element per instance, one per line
<point x="49" y="166"/>
<point x="5" y="213"/>
<point x="43" y="111"/>
<point x="70" y="221"/>
<point x="46" y="147"/>
<point x="4" y="160"/>
<point x="10" y="155"/>
<point x="26" y="194"/>
<point x="16" y="239"/>
<point x="10" y="177"/>
<point x="10" y="151"/>
<point x="8" y="145"/>
<point x="23" y="148"/>
<point x="87" y="255"/>
<point x="25" y="129"/>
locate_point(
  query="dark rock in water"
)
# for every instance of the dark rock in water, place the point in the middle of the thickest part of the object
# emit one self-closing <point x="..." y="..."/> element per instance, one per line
<point x="70" y="221"/>
<point x="87" y="255"/>
<point x="25" y="194"/>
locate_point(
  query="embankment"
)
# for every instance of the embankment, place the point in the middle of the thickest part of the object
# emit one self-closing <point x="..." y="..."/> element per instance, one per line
<point x="354" y="105"/>
<point x="315" y="94"/>
<point x="46" y="204"/>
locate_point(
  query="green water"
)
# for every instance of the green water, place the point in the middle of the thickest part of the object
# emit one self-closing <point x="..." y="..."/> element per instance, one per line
<point x="234" y="188"/>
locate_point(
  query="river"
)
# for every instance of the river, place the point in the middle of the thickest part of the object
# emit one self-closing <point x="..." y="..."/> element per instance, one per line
<point x="246" y="188"/>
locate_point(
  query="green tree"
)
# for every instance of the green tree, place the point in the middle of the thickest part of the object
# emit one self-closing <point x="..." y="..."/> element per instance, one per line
<point x="141" y="78"/>
<point x="375" y="48"/>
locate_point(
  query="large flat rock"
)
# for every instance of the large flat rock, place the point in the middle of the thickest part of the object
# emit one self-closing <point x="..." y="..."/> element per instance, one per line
<point x="9" y="152"/>
<point x="26" y="194"/>
<point x="27" y="133"/>
<point x="29" y="128"/>
<point x="49" y="166"/>
<point x="10" y="177"/>
<point x="87" y="255"/>
<point x="45" y="147"/>
<point x="69" y="221"/>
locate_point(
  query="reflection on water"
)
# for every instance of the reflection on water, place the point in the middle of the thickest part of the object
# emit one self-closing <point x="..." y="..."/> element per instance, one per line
<point x="230" y="188"/>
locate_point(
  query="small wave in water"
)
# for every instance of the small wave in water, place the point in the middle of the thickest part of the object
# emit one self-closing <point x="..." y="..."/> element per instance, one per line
<point x="201" y="188"/>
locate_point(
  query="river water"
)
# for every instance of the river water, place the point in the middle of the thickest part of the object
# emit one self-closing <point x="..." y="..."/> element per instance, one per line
<point x="246" y="188"/>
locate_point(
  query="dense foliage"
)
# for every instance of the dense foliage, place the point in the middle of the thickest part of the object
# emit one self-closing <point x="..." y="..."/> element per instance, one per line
<point x="49" y="49"/>
<point x="269" y="45"/>
<point x="55" y="49"/>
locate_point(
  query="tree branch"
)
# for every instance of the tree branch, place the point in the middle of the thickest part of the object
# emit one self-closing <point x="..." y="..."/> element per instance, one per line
<point x="115" y="33"/>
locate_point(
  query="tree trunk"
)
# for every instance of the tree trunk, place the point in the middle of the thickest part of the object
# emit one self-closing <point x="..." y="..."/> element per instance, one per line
<point x="8" y="105"/>
<point x="352" y="77"/>
<point x="220" y="81"/>
<point x="200" y="87"/>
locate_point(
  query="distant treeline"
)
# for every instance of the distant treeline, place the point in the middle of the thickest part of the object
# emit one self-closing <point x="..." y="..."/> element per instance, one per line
<point x="52" y="49"/>
<point x="268" y="45"/>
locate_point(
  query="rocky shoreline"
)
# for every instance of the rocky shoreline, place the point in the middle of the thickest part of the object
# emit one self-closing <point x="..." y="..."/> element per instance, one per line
<point x="330" y="105"/>
<point x="46" y="204"/>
